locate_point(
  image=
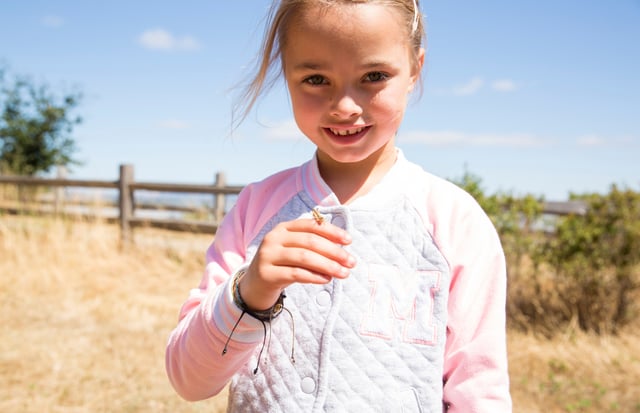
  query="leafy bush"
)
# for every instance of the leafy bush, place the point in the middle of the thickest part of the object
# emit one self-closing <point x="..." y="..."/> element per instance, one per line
<point x="598" y="254"/>
<point x="576" y="271"/>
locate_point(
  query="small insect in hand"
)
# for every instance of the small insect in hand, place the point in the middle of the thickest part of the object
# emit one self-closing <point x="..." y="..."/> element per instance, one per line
<point x="316" y="215"/>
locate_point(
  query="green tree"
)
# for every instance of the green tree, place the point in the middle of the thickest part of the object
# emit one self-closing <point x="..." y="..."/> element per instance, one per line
<point x="35" y="126"/>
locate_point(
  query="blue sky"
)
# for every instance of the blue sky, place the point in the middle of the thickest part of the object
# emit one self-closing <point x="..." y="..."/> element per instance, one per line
<point x="539" y="97"/>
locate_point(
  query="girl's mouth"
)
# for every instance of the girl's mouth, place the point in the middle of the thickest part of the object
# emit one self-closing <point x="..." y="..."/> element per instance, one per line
<point x="347" y="135"/>
<point x="346" y="132"/>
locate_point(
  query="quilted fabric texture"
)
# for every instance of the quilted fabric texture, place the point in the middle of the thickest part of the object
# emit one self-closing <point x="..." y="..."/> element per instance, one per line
<point x="372" y="342"/>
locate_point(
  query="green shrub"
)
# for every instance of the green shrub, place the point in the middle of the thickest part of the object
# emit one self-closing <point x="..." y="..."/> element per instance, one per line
<point x="597" y="254"/>
<point x="576" y="271"/>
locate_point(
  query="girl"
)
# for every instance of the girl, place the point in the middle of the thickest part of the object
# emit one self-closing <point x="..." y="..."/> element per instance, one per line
<point x="356" y="281"/>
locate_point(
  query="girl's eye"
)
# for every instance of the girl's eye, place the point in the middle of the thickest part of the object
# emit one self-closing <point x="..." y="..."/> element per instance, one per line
<point x="376" y="77"/>
<point x="315" y="80"/>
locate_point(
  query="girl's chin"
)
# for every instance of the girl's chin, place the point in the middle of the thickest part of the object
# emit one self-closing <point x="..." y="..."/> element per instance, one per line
<point x="347" y="155"/>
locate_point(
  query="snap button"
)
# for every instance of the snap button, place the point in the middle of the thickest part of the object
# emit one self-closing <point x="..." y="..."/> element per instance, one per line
<point x="339" y="221"/>
<point x="308" y="385"/>
<point x="323" y="298"/>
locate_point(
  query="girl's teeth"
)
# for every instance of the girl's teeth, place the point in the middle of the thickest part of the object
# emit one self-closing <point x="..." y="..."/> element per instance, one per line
<point x="346" y="132"/>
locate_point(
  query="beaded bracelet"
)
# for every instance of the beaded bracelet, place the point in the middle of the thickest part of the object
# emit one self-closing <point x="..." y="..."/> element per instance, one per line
<point x="262" y="315"/>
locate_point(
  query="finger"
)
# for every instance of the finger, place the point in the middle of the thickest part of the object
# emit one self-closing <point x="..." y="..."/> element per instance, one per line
<point x="295" y="274"/>
<point x="300" y="234"/>
<point x="324" y="229"/>
<point x="314" y="262"/>
<point x="318" y="245"/>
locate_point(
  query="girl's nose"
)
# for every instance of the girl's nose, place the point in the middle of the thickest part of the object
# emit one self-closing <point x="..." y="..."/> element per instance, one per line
<point x="345" y="106"/>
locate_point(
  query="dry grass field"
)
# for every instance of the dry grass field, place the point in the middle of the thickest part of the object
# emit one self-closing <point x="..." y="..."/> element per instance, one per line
<point x="84" y="323"/>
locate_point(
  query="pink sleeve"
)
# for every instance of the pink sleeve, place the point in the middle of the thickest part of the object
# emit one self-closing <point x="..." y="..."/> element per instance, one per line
<point x="476" y="377"/>
<point x="195" y="365"/>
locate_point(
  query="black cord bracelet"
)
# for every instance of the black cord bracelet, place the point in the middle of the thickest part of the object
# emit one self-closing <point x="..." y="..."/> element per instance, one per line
<point x="262" y="315"/>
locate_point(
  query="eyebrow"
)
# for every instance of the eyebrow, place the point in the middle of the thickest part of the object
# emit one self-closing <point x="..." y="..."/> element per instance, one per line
<point x="309" y="66"/>
<point x="321" y="66"/>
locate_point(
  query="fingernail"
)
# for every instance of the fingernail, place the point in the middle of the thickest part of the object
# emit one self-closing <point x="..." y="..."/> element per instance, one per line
<point x="351" y="261"/>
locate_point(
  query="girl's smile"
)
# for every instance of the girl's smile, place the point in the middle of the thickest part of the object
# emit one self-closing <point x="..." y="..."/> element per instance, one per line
<point x="346" y="136"/>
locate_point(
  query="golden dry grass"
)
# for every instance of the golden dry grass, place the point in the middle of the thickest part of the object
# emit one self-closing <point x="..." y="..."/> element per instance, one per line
<point x="84" y="325"/>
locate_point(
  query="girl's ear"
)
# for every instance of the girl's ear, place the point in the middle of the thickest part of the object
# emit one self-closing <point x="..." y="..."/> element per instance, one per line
<point x="417" y="68"/>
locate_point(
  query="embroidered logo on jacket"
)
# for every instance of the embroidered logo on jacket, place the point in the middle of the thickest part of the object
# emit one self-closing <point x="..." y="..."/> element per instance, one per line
<point x="401" y="305"/>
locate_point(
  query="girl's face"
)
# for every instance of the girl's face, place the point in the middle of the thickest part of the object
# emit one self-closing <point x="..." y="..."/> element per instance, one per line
<point x="349" y="71"/>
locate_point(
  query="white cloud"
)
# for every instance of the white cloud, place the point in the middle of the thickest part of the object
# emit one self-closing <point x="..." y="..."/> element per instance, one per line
<point x="595" y="140"/>
<point x="469" y="88"/>
<point x="451" y="138"/>
<point x="476" y="83"/>
<point x="173" y="124"/>
<point x="160" y="39"/>
<point x="288" y="130"/>
<point x="284" y="130"/>
<point x="504" y="85"/>
<point x="52" y="21"/>
<point x="590" y="140"/>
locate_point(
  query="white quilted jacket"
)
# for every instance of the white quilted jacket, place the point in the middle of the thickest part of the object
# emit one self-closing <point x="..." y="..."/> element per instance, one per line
<point x="418" y="326"/>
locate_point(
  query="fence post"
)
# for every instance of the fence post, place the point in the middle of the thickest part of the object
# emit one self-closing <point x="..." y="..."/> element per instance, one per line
<point x="126" y="202"/>
<point x="61" y="173"/>
<point x="219" y="198"/>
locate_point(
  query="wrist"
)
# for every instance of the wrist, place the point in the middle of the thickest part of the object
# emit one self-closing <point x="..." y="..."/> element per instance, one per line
<point x="264" y="308"/>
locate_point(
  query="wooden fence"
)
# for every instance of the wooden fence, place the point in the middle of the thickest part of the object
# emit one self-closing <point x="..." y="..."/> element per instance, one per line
<point x="127" y="205"/>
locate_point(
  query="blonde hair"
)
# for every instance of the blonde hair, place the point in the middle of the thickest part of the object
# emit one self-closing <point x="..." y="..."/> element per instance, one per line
<point x="269" y="64"/>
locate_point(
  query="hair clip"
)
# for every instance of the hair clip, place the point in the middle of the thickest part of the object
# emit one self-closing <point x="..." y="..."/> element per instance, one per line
<point x="416" y="15"/>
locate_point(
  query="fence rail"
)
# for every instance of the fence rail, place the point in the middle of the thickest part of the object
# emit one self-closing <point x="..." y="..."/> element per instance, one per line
<point x="127" y="205"/>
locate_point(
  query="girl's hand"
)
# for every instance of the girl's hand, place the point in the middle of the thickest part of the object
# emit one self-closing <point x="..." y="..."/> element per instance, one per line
<point x="303" y="251"/>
